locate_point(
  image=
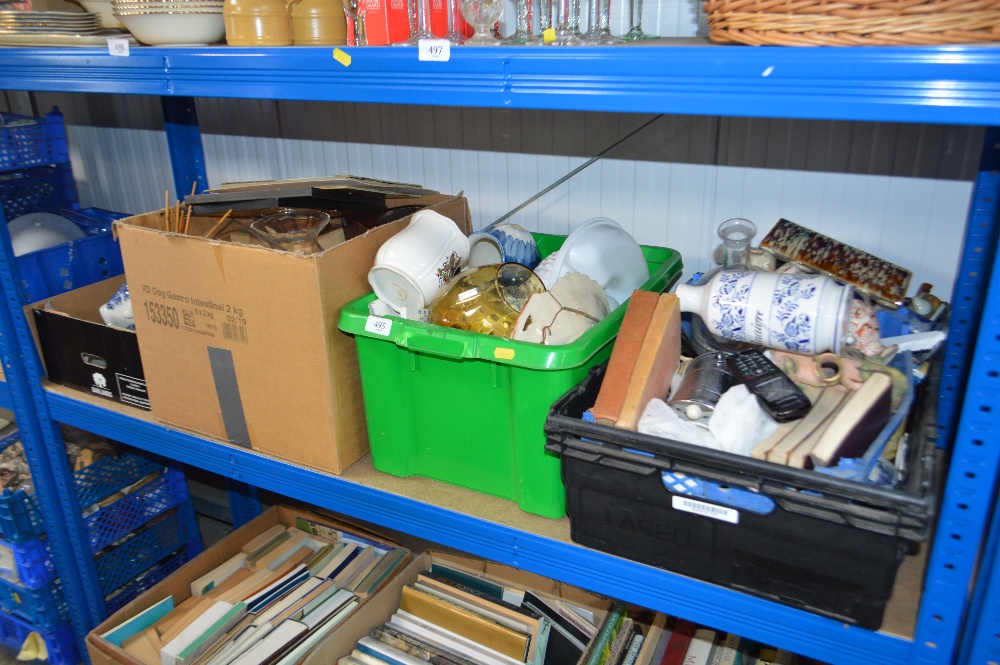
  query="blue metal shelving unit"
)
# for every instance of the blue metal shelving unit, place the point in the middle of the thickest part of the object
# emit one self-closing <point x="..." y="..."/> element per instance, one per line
<point x="958" y="85"/>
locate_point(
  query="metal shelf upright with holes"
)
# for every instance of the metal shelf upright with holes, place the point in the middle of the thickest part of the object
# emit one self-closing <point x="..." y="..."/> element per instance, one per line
<point x="947" y="84"/>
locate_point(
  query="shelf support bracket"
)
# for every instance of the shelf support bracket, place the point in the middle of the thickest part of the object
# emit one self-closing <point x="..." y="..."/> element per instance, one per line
<point x="187" y="158"/>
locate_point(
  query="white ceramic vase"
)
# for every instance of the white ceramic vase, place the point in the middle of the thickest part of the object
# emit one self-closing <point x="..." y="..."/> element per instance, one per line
<point x="797" y="312"/>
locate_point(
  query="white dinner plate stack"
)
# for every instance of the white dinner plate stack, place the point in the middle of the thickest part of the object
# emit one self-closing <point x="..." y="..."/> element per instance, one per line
<point x="48" y="23"/>
<point x="172" y="22"/>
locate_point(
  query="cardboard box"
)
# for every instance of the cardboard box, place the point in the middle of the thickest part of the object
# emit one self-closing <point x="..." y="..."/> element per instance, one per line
<point x="81" y="352"/>
<point x="178" y="584"/>
<point x="240" y="343"/>
<point x="384" y="604"/>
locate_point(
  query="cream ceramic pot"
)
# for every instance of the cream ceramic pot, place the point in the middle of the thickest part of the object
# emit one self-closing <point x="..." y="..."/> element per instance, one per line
<point x="257" y="23"/>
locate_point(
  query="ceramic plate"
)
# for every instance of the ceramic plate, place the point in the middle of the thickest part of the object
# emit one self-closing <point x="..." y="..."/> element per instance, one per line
<point x="63" y="40"/>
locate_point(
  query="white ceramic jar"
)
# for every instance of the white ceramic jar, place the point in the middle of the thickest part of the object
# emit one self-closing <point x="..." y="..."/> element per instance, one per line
<point x="413" y="264"/>
<point x="797" y="312"/>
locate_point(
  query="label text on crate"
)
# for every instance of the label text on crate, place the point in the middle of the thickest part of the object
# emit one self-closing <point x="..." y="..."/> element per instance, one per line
<point x="706" y="509"/>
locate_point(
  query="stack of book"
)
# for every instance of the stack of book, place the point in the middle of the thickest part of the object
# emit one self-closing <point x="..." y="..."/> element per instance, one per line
<point x="450" y="617"/>
<point x="270" y="603"/>
<point x="672" y="641"/>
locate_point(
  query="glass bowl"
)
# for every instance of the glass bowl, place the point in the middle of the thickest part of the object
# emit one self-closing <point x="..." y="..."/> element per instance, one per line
<point x="487" y="299"/>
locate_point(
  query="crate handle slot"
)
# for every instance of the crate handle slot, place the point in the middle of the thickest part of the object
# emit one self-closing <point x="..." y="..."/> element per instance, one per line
<point x="93" y="361"/>
<point x="685" y="485"/>
<point x="436" y="345"/>
<point x="622" y="465"/>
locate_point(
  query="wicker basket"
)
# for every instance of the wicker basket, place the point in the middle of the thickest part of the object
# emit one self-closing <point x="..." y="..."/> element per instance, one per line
<point x="853" y="22"/>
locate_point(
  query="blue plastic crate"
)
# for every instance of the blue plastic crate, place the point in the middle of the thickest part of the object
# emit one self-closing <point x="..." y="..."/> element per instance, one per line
<point x="20" y="519"/>
<point x="69" y="266"/>
<point x="38" y="189"/>
<point x="125" y="562"/>
<point x="46" y="606"/>
<point x="30" y="563"/>
<point x="153" y="576"/>
<point x="60" y="642"/>
<point x="26" y="141"/>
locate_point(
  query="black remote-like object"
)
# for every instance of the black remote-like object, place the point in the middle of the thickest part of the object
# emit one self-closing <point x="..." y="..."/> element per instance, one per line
<point x="780" y="397"/>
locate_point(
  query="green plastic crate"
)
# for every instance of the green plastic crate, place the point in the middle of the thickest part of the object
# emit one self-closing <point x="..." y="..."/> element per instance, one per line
<point x="469" y="409"/>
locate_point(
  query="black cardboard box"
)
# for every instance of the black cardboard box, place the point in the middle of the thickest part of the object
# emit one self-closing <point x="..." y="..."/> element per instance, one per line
<point x="802" y="538"/>
<point x="82" y="352"/>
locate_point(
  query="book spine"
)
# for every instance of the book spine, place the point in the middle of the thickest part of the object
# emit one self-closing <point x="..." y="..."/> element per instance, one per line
<point x="633" y="650"/>
<point x="729" y="650"/>
<point x="677" y="647"/>
<point x="603" y="638"/>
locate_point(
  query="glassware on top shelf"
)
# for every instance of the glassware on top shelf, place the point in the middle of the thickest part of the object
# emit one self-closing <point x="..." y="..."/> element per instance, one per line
<point x="635" y="33"/>
<point x="522" y="31"/>
<point x="423" y="30"/>
<point x="564" y="24"/>
<point x="574" y="18"/>
<point x="411" y="14"/>
<point x="482" y="15"/>
<point x="544" y="19"/>
<point x="355" y="10"/>
<point x="454" y="35"/>
<point x="599" y="24"/>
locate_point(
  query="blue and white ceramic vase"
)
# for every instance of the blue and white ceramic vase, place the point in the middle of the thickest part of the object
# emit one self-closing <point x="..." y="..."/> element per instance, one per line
<point x="503" y="242"/>
<point x="803" y="313"/>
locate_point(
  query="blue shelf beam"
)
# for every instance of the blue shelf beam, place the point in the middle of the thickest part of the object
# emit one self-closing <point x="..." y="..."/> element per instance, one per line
<point x="943" y="84"/>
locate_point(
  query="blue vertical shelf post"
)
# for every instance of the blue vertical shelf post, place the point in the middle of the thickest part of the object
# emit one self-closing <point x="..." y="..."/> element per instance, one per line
<point x="968" y="298"/>
<point x="243" y="502"/>
<point x="187" y="159"/>
<point x="975" y="461"/>
<point x="46" y="454"/>
<point x="982" y="634"/>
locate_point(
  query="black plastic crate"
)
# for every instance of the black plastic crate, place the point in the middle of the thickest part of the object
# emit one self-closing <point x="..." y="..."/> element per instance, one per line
<point x="810" y="540"/>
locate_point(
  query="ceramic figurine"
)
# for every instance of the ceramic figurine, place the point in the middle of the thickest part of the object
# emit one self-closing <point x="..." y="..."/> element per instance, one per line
<point x="804" y="313"/>
<point x="863" y="329"/>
